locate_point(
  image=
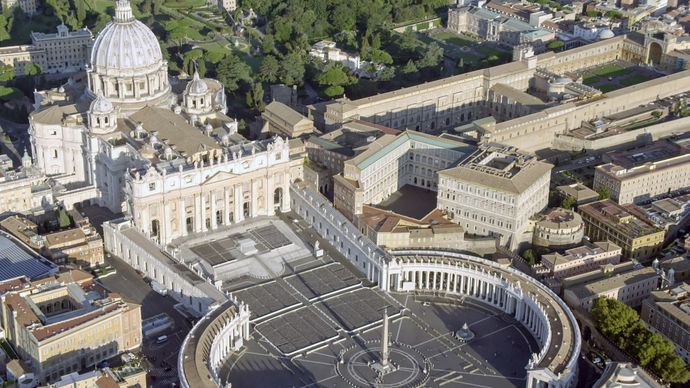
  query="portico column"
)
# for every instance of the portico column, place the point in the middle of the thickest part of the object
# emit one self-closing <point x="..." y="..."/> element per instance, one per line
<point x="182" y="219"/>
<point x="214" y="220"/>
<point x="198" y="216"/>
<point x="166" y="224"/>
<point x="203" y="212"/>
<point x="226" y="206"/>
<point x="239" y="203"/>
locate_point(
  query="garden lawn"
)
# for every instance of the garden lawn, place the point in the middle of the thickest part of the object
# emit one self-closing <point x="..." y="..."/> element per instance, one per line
<point x="453" y="39"/>
<point x="607" y="87"/>
<point x="635" y="79"/>
<point x="9" y="93"/>
<point x="185" y="4"/>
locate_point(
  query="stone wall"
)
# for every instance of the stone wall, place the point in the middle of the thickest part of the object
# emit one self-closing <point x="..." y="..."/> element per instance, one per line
<point x="196" y="294"/>
<point x="638" y="136"/>
<point x="331" y="225"/>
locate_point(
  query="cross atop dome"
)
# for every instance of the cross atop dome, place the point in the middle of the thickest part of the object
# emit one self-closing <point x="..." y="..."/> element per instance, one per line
<point x="123" y="11"/>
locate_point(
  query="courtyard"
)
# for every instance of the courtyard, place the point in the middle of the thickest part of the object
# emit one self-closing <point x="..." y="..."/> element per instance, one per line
<point x="617" y="75"/>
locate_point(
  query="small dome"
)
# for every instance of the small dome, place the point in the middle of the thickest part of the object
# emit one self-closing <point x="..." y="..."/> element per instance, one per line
<point x="197" y="86"/>
<point x="606" y="34"/>
<point x="101" y="105"/>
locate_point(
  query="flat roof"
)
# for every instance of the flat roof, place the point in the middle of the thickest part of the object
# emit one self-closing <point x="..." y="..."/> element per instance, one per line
<point x="16" y="261"/>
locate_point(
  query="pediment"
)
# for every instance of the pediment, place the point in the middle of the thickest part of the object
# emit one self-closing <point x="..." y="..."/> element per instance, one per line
<point x="218" y="177"/>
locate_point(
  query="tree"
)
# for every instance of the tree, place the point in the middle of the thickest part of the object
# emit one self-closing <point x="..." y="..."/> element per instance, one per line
<point x="656" y="114"/>
<point x="555" y="45"/>
<point x="409" y="68"/>
<point x="529" y="257"/>
<point x="386" y="74"/>
<point x="343" y="17"/>
<point x="270" y="69"/>
<point x="604" y="192"/>
<point x="334" y="78"/>
<point x="432" y="57"/>
<point x="6" y="73"/>
<point x="379" y="56"/>
<point x="292" y="69"/>
<point x="268" y="45"/>
<point x="191" y="59"/>
<point x="614" y="319"/>
<point x="255" y="97"/>
<point x="32" y="69"/>
<point x="334" y="91"/>
<point x="63" y="219"/>
<point x="672" y="368"/>
<point x="232" y="71"/>
<point x="568" y="202"/>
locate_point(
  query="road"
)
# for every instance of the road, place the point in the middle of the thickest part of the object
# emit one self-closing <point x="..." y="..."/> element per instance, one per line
<point x="161" y="358"/>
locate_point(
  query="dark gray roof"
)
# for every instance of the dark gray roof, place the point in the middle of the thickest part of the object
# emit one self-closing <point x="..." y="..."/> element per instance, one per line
<point x="15" y="261"/>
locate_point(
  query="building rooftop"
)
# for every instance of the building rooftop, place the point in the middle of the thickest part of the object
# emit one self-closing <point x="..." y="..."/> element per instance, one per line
<point x="385" y="144"/>
<point x="559" y="218"/>
<point x="579" y="253"/>
<point x="618" y="217"/>
<point x="580" y="192"/>
<point x="500" y="167"/>
<point x="611" y="277"/>
<point x="16" y="260"/>
<point x="619" y="374"/>
<point x="675" y="301"/>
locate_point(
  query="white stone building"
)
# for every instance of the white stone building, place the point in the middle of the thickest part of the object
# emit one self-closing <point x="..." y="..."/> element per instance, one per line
<point x="131" y="139"/>
<point x="495" y="192"/>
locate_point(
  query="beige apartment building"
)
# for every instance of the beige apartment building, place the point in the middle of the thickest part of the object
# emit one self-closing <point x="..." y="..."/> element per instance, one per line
<point x="67" y="324"/>
<point x="668" y="312"/>
<point x="495" y="192"/>
<point x="606" y="220"/>
<point x="578" y="260"/>
<point x="63" y="51"/>
<point x="625" y="282"/>
<point x="73" y="246"/>
<point x="642" y="174"/>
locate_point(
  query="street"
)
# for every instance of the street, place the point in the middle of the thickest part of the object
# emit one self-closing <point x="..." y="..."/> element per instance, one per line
<point x="161" y="358"/>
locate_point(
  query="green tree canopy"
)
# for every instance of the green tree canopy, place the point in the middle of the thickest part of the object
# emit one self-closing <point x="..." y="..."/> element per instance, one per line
<point x="270" y="69"/>
<point x="379" y="56"/>
<point x="292" y="69"/>
<point x="6" y="72"/>
<point x="568" y="202"/>
<point x="604" y="192"/>
<point x="232" y="71"/>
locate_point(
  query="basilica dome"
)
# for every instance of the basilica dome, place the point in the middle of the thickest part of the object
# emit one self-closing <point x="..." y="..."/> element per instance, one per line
<point x="125" y="44"/>
<point x="127" y="65"/>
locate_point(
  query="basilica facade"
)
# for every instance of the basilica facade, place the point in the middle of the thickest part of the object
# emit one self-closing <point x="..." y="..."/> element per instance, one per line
<point x="126" y="136"/>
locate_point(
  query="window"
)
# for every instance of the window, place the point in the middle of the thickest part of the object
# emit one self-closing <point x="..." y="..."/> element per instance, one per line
<point x="152" y="186"/>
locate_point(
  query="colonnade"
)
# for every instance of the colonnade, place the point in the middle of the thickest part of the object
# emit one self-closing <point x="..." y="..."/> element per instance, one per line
<point x="453" y="278"/>
<point x="532" y="304"/>
<point x="234" y="329"/>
